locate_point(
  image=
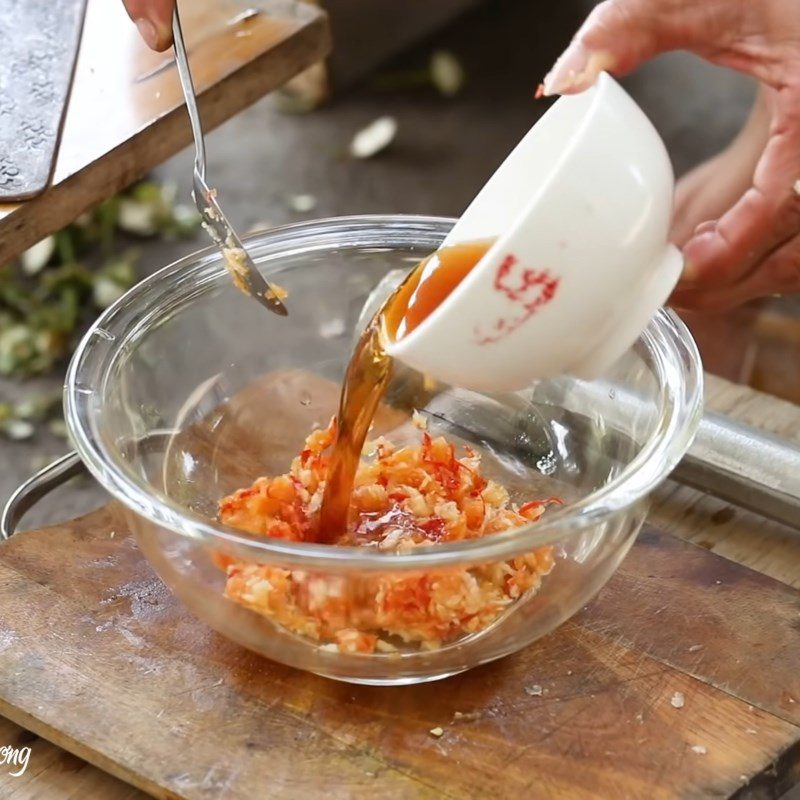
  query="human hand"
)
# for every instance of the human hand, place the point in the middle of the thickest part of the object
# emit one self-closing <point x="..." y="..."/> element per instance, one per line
<point x="738" y="215"/>
<point x="153" y="18"/>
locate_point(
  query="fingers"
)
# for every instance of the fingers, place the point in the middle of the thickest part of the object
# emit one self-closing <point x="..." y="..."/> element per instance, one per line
<point x="703" y="195"/>
<point x="619" y="35"/>
<point x="153" y="18"/>
<point x="766" y="217"/>
<point x="739" y="215"/>
<point x="778" y="274"/>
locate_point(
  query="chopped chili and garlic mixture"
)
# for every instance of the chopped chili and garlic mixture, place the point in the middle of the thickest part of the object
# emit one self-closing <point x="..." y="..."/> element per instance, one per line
<point x="404" y="498"/>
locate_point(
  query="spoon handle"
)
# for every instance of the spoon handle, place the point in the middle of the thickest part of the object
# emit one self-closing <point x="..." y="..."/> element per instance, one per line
<point x="185" y="74"/>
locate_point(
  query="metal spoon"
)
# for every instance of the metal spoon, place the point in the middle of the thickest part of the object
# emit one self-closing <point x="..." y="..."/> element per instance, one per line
<point x="239" y="264"/>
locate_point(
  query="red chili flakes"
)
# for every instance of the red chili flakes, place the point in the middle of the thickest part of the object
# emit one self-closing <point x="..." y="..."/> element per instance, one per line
<point x="404" y="498"/>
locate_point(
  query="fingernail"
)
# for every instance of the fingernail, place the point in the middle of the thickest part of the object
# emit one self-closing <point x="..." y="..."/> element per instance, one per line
<point x="570" y="64"/>
<point x="705" y="227"/>
<point x="577" y="69"/>
<point x="699" y="252"/>
<point x="148" y="32"/>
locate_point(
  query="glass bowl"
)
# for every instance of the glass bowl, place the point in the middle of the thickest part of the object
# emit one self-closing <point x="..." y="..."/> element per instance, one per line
<point x="186" y="390"/>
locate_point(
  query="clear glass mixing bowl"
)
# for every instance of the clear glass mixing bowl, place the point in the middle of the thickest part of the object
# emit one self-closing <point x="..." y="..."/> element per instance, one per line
<point x="186" y="390"/>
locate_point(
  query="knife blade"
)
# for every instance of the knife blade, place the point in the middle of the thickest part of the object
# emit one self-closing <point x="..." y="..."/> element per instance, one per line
<point x="37" y="61"/>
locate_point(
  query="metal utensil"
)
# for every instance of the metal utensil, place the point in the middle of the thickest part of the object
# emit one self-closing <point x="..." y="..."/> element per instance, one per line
<point x="239" y="264"/>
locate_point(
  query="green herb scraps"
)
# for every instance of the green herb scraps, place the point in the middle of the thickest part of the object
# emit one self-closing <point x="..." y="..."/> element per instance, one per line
<point x="444" y="72"/>
<point x="57" y="285"/>
<point x="18" y="421"/>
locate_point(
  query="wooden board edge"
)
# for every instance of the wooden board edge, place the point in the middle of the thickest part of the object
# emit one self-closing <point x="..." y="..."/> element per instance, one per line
<point x="61" y="204"/>
<point x="93" y="757"/>
<point x="779" y="777"/>
<point x="770" y="780"/>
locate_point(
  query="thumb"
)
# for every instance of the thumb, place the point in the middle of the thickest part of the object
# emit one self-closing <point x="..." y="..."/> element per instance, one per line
<point x="619" y="35"/>
<point x="153" y="18"/>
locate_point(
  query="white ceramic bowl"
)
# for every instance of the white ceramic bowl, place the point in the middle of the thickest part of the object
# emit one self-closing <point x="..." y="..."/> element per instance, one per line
<point x="581" y="212"/>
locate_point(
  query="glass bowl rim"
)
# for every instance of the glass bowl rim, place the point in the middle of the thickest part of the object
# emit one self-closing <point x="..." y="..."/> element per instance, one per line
<point x="667" y="340"/>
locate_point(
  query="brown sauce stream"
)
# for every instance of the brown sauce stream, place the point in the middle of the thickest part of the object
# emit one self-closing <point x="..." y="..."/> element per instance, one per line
<point x="370" y="370"/>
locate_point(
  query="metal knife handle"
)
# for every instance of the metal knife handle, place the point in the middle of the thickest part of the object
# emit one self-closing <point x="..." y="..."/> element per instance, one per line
<point x="746" y="467"/>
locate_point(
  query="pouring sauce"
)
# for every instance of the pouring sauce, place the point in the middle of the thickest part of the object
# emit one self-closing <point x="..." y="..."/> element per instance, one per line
<point x="370" y="368"/>
<point x="445" y="270"/>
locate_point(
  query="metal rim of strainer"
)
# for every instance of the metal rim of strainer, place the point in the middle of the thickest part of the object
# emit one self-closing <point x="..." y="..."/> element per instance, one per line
<point x="669" y="343"/>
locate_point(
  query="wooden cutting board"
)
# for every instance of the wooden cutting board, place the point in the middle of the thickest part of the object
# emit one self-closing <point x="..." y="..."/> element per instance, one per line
<point x="97" y="656"/>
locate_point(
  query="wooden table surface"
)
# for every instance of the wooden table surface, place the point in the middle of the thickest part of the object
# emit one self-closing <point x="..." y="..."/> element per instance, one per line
<point x="769" y="548"/>
<point x="126" y="113"/>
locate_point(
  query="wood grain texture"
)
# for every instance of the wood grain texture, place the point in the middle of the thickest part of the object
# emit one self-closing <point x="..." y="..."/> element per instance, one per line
<point x="768" y="547"/>
<point x="125" y="111"/>
<point x="674" y="619"/>
<point x="54" y="774"/>
<point x="151" y="695"/>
